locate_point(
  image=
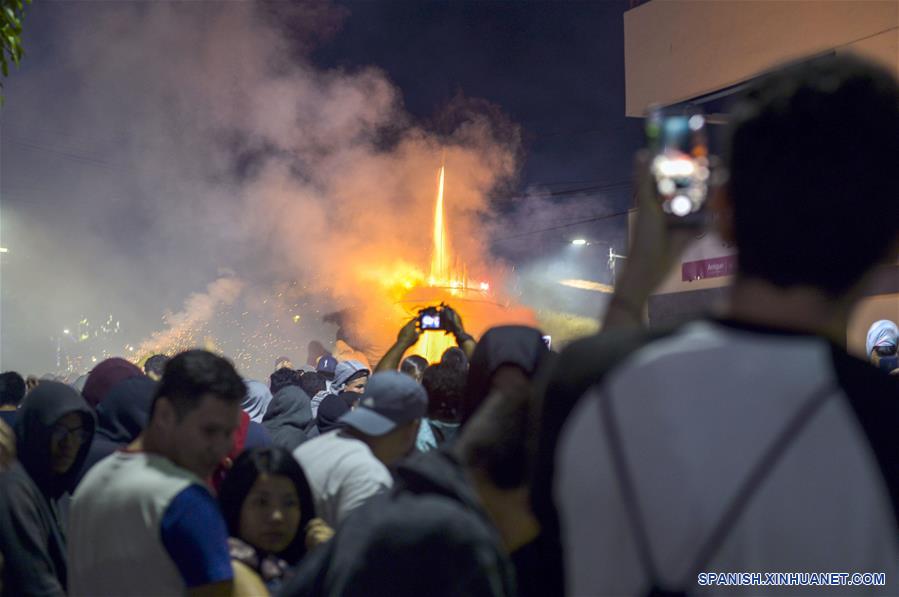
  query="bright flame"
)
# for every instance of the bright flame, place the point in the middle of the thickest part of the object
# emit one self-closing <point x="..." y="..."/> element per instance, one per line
<point x="440" y="255"/>
<point x="444" y="274"/>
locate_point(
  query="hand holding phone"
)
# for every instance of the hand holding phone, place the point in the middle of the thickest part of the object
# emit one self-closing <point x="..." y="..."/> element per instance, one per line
<point x="679" y="164"/>
<point x="431" y="318"/>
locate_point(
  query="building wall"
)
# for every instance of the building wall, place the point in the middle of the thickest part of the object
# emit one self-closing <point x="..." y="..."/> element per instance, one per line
<point x="679" y="49"/>
<point x="676" y="50"/>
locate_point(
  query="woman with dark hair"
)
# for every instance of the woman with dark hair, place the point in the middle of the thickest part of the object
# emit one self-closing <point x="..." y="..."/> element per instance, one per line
<point x="270" y="513"/>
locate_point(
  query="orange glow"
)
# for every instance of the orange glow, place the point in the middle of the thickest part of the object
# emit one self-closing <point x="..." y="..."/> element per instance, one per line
<point x="439" y="257"/>
<point x="399" y="285"/>
<point x="446" y="276"/>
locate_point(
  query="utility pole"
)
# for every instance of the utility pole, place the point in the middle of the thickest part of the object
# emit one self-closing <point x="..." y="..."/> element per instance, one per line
<point x="613" y="257"/>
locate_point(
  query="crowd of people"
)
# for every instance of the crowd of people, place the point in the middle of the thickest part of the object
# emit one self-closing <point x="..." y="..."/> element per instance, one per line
<point x="627" y="464"/>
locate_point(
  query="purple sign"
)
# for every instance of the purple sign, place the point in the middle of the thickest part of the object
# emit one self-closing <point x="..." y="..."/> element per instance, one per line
<point x="709" y="268"/>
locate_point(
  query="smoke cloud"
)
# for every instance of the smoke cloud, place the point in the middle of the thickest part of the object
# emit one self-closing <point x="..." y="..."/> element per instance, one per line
<point x="199" y="309"/>
<point x="148" y="146"/>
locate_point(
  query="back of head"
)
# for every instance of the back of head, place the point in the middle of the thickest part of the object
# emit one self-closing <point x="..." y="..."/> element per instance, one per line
<point x="455" y="357"/>
<point x="516" y="346"/>
<point x="247" y="468"/>
<point x="193" y="374"/>
<point x="282" y="378"/>
<point x="155" y="365"/>
<point x="811" y="156"/>
<point x="445" y="385"/>
<point x="104" y="376"/>
<point x="414" y="366"/>
<point x="12" y="389"/>
<point x="313" y="382"/>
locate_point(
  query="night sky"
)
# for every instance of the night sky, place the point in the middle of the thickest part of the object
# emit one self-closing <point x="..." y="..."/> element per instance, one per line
<point x="555" y="68"/>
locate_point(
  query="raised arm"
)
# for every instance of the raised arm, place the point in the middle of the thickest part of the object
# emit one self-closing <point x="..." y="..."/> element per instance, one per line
<point x="405" y="340"/>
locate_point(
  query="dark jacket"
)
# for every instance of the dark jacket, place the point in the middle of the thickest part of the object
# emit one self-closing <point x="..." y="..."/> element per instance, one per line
<point x="32" y="538"/>
<point x="121" y="417"/>
<point x="427" y="536"/>
<point x="288" y="418"/>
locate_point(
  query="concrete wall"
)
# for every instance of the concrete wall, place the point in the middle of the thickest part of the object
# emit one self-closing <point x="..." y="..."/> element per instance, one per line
<point x="676" y="50"/>
<point x="679" y="49"/>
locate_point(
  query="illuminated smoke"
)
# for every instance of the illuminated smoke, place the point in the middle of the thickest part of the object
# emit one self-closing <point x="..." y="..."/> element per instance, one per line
<point x="205" y="140"/>
<point x="199" y="309"/>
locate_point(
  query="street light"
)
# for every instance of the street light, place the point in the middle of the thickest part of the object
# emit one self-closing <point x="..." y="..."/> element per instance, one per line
<point x="613" y="256"/>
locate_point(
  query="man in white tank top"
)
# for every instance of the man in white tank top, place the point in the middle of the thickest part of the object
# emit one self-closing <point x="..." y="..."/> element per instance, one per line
<point x="143" y="521"/>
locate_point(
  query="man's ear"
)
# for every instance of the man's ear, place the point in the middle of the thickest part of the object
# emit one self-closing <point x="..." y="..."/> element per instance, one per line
<point x="721" y="207"/>
<point x="164" y="415"/>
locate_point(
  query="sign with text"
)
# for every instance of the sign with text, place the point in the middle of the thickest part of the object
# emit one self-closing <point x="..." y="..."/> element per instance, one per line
<point x="709" y="268"/>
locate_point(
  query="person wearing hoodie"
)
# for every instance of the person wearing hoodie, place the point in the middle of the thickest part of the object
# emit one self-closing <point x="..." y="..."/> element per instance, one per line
<point x="143" y="521"/>
<point x="54" y="430"/>
<point x="329" y="413"/>
<point x="349" y="376"/>
<point x="121" y="417"/>
<point x="451" y="520"/>
<point x="880" y="344"/>
<point x="105" y="376"/>
<point x="288" y="418"/>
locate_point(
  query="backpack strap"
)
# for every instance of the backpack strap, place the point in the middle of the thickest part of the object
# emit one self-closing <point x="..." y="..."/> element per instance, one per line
<point x="763" y="467"/>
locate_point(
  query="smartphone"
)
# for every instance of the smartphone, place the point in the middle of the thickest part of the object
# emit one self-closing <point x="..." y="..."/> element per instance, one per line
<point x="678" y="140"/>
<point x="429" y="319"/>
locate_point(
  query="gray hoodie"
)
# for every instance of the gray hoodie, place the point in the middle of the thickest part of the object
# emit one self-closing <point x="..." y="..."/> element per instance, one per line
<point x="344" y="371"/>
<point x="289" y="418"/>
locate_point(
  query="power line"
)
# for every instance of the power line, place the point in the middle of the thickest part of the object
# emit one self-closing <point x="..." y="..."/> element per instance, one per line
<point x="561" y="226"/>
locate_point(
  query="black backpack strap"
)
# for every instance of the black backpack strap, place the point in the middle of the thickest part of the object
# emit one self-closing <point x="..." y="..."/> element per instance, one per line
<point x="628" y="489"/>
<point x="762" y="469"/>
<point x="747" y="489"/>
